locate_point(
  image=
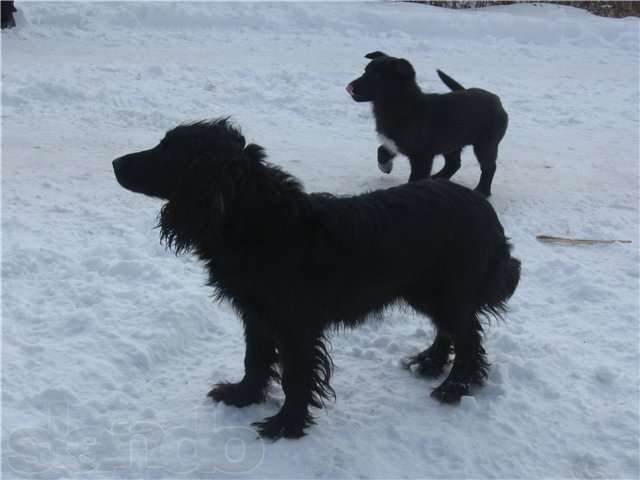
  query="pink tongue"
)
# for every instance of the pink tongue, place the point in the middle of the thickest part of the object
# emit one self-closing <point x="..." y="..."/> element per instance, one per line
<point x="349" y="89"/>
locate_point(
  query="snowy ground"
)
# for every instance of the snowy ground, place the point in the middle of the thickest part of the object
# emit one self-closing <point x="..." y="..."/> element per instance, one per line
<point x="109" y="343"/>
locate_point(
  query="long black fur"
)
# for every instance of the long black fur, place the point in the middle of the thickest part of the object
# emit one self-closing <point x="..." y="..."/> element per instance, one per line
<point x="295" y="264"/>
<point x="421" y="125"/>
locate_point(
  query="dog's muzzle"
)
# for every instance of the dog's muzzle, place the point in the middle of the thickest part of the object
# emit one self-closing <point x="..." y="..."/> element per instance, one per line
<point x="117" y="167"/>
<point x="121" y="168"/>
<point x="352" y="92"/>
<point x="117" y="164"/>
<point x="130" y="171"/>
<point x="349" y="89"/>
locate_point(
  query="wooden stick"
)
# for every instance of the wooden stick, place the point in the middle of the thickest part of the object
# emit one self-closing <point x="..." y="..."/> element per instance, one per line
<point x="577" y="241"/>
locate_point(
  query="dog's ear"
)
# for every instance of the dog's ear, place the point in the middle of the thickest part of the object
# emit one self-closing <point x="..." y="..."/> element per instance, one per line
<point x="405" y="69"/>
<point x="376" y="54"/>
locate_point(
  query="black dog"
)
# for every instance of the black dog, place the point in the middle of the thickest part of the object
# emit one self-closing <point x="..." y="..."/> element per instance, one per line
<point x="422" y="126"/>
<point x="294" y="264"/>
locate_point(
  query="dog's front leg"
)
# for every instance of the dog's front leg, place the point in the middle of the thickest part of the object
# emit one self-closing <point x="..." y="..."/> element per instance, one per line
<point x="259" y="364"/>
<point x="421" y="165"/>
<point x="306" y="370"/>
<point x="385" y="159"/>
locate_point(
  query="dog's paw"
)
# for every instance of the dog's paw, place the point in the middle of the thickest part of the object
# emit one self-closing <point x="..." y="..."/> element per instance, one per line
<point x="450" y="391"/>
<point x="429" y="368"/>
<point x="281" y="426"/>
<point x="425" y="365"/>
<point x="386" y="167"/>
<point x="236" y="394"/>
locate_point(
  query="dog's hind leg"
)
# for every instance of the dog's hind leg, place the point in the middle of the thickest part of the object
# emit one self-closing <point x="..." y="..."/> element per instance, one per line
<point x="420" y="166"/>
<point x="470" y="365"/>
<point x="431" y="362"/>
<point x="259" y="363"/>
<point x="451" y="165"/>
<point x="306" y="370"/>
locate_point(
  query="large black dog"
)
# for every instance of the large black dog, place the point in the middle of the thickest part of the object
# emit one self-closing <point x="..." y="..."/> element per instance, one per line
<point x="294" y="264"/>
<point x="422" y="126"/>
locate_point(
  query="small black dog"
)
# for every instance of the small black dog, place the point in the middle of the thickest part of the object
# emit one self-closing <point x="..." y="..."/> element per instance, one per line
<point x="294" y="264"/>
<point x="422" y="126"/>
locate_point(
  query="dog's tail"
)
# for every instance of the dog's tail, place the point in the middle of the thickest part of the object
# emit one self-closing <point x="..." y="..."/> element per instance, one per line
<point x="501" y="282"/>
<point x="448" y="81"/>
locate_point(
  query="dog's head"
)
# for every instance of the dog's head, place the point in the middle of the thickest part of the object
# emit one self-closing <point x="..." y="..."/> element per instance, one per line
<point x="188" y="154"/>
<point x="383" y="75"/>
<point x="195" y="167"/>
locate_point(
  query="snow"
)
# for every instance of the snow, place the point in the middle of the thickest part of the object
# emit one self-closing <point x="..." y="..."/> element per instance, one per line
<point x="110" y="343"/>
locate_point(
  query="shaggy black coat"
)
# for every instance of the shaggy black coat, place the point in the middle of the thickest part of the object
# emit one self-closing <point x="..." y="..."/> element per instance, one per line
<point x="294" y="264"/>
<point x="421" y="125"/>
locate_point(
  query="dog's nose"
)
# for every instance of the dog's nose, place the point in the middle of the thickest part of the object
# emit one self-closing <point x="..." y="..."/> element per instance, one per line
<point x="116" y="163"/>
<point x="349" y="89"/>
